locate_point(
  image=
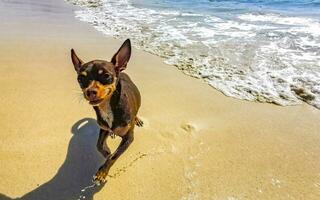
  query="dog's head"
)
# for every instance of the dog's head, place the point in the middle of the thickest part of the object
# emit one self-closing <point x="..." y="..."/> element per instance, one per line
<point x="98" y="78"/>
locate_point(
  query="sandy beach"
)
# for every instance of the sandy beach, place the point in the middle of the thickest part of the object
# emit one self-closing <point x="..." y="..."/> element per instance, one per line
<point x="196" y="142"/>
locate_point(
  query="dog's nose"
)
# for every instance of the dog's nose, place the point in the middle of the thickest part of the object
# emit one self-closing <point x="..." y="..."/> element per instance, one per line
<point x="92" y="94"/>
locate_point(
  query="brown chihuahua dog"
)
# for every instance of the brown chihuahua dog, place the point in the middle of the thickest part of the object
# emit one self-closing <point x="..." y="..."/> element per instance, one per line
<point x="115" y="99"/>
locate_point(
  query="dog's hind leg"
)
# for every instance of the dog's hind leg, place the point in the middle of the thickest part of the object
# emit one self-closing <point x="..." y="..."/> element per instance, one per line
<point x="102" y="145"/>
<point x="138" y="121"/>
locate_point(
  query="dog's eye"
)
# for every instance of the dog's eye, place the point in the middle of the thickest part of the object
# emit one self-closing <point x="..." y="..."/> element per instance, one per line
<point x="84" y="81"/>
<point x="105" y="79"/>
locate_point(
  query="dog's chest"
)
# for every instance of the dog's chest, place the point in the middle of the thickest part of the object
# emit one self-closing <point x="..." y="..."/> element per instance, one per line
<point x="107" y="114"/>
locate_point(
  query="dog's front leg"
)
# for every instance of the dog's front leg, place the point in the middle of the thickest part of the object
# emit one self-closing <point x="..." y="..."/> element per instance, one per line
<point x="102" y="173"/>
<point x="102" y="145"/>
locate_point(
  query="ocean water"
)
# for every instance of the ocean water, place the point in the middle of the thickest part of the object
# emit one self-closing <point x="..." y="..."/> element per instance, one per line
<point x="257" y="50"/>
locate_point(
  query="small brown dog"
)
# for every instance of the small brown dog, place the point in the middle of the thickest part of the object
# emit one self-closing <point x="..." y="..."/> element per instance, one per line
<point x="115" y="99"/>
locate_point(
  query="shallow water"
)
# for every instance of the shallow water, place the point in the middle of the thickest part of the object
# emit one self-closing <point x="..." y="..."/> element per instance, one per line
<point x="266" y="51"/>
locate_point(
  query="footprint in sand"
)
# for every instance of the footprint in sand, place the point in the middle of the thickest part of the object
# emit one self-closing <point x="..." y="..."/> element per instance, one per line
<point x="123" y="169"/>
<point x="188" y="127"/>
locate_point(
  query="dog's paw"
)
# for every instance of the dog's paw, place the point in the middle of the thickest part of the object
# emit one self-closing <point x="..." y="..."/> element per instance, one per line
<point x="138" y="122"/>
<point x="101" y="176"/>
<point x="111" y="134"/>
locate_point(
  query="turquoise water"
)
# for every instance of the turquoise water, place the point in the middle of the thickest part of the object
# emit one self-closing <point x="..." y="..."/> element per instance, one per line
<point x="228" y="8"/>
<point x="266" y="51"/>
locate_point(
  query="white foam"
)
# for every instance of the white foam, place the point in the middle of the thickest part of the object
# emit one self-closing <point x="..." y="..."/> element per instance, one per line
<point x="300" y="24"/>
<point x="257" y="57"/>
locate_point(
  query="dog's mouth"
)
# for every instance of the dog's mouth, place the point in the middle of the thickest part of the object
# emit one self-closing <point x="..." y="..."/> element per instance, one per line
<point x="95" y="101"/>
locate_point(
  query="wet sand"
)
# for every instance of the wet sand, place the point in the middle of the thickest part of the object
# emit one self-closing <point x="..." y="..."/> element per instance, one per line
<point x="196" y="142"/>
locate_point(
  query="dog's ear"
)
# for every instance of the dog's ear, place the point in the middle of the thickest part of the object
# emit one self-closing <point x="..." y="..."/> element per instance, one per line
<point x="121" y="58"/>
<point x="77" y="62"/>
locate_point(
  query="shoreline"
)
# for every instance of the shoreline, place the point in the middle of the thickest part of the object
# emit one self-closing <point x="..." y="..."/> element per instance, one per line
<point x="248" y="64"/>
<point x="196" y="142"/>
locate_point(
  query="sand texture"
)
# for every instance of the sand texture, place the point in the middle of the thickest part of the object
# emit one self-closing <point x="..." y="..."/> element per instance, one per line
<point x="197" y="144"/>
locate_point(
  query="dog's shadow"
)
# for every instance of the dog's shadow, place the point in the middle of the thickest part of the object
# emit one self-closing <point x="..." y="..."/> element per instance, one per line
<point x="76" y="172"/>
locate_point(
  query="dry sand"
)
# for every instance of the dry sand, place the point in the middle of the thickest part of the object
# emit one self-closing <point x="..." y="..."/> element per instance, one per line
<point x="196" y="142"/>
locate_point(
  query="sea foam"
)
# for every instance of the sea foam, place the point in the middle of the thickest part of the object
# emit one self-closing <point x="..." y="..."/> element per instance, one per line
<point x="256" y="56"/>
